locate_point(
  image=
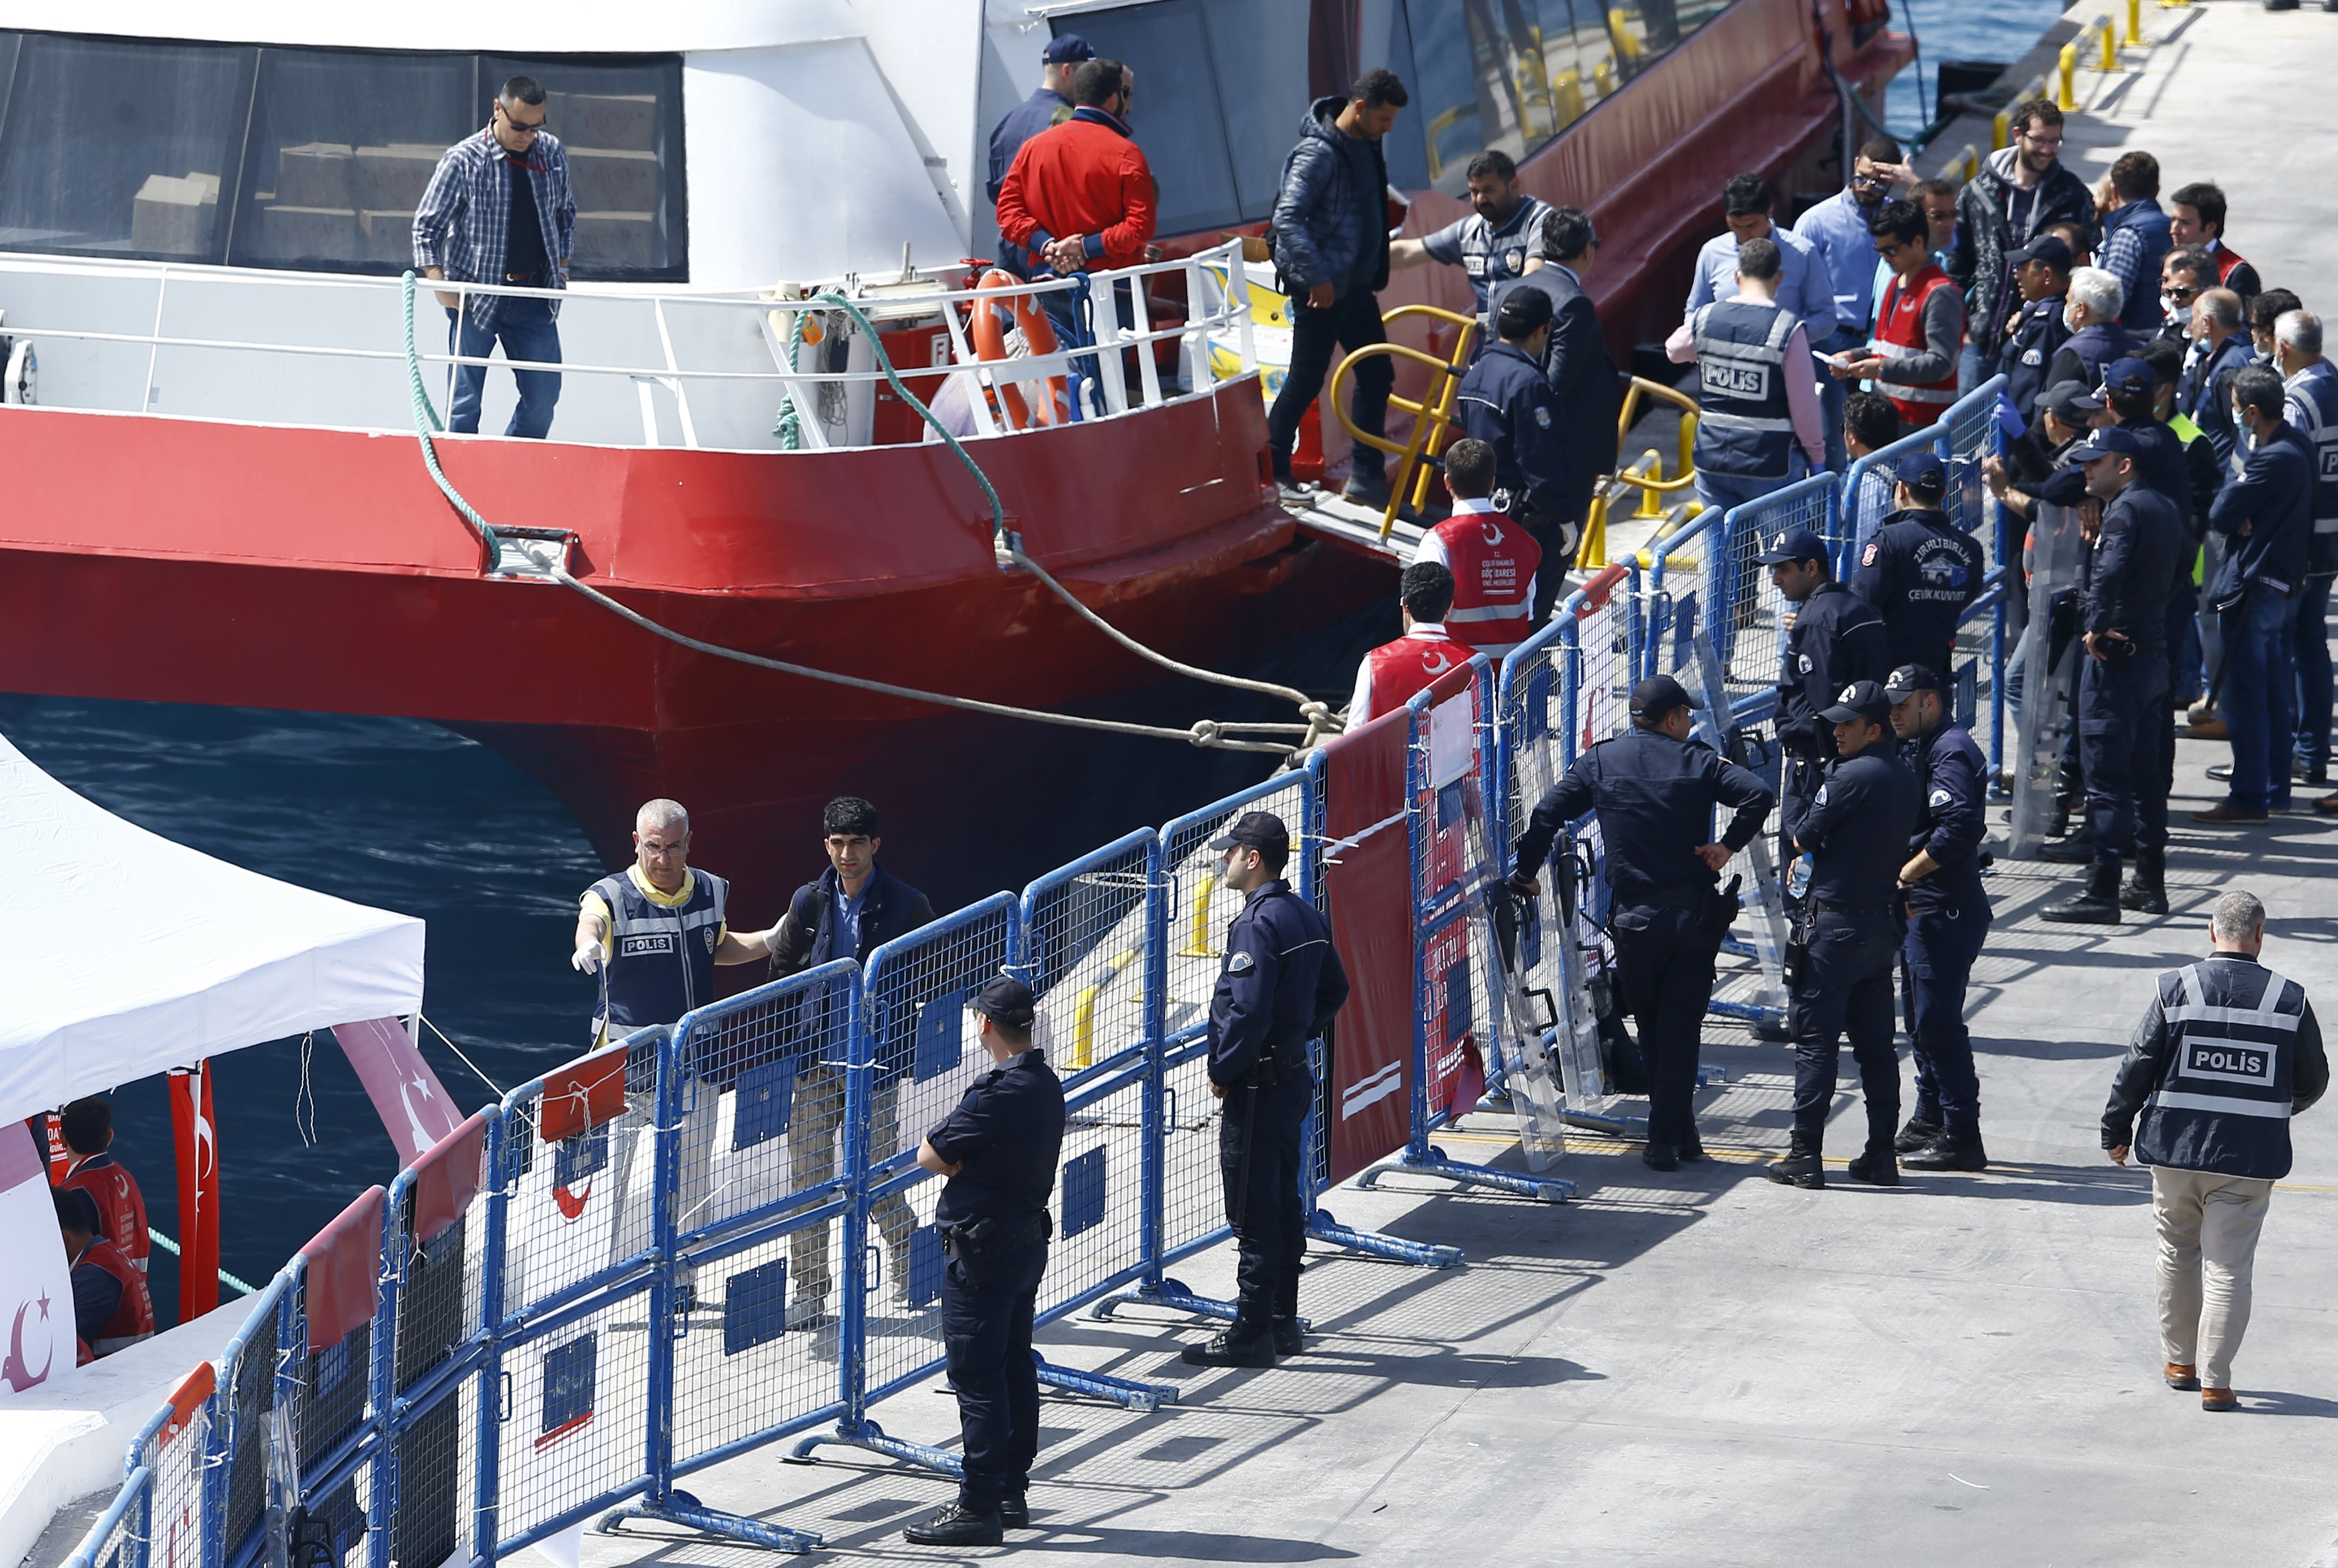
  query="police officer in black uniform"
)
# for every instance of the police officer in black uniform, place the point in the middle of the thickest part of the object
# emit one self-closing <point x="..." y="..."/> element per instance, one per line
<point x="1948" y="919"/>
<point x="2035" y="333"/>
<point x="999" y="1150"/>
<point x="1280" y="987"/>
<point x="1919" y="570"/>
<point x="1837" y="639"/>
<point x="1846" y="937"/>
<point x="2123" y="685"/>
<point x="1654" y="791"/>
<point x="1506" y="401"/>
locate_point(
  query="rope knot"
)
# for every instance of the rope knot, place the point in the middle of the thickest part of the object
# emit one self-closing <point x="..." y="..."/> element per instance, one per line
<point x="1205" y="732"/>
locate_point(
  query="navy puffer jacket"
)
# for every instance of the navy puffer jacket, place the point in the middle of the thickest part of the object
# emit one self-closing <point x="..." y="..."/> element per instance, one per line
<point x="1322" y="219"/>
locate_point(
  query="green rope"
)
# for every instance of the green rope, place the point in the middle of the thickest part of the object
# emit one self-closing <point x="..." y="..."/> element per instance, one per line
<point x="790" y="428"/>
<point x="226" y="1278"/>
<point x="425" y="423"/>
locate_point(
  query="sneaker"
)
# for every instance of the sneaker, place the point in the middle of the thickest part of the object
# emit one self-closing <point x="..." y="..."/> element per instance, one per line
<point x="1876" y="1167"/>
<point x="1227" y="1349"/>
<point x="2227" y="812"/>
<point x="955" y="1525"/>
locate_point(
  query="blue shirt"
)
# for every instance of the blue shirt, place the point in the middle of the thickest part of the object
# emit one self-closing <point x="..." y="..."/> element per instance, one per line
<point x="1044" y="108"/>
<point x="1805" y="287"/>
<point x="1837" y="227"/>
<point x="847" y="924"/>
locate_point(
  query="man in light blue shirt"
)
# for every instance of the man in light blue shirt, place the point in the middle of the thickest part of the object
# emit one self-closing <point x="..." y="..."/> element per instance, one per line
<point x="1805" y="289"/>
<point x="1838" y="228"/>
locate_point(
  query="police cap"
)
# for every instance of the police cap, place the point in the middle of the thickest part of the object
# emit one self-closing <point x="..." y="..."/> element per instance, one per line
<point x="2109" y="441"/>
<point x="1005" y="1000"/>
<point x="1860" y="700"/>
<point x="1658" y="696"/>
<point x="1909" y="679"/>
<point x="1524" y="313"/>
<point x="1921" y="470"/>
<point x="1065" y="48"/>
<point x="2070" y="402"/>
<point x="1795" y="545"/>
<point x="1255" y="830"/>
<point x="2049" y="249"/>
<point x="2128" y="376"/>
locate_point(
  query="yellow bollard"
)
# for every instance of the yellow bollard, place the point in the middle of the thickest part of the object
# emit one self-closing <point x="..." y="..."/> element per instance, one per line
<point x="1592" y="555"/>
<point x="2134" y="39"/>
<point x="1652" y="467"/>
<point x="2067" y="102"/>
<point x="2000" y="130"/>
<point x="2110" y="46"/>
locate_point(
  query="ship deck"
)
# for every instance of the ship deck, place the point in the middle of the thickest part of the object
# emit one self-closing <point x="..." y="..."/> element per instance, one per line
<point x="1705" y="1367"/>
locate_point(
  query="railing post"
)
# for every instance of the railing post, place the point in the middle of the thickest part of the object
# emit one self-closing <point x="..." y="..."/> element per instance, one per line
<point x="1152" y="1165"/>
<point x="489" y="1424"/>
<point x="381" y="1508"/>
<point x="657" y="1460"/>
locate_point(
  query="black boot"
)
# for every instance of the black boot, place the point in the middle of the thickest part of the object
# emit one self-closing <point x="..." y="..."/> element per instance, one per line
<point x="1921" y="1133"/>
<point x="2077" y="849"/>
<point x="955" y="1524"/>
<point x="1957" y="1148"/>
<point x="1015" y="1511"/>
<point x="2097" y="904"/>
<point x="1288" y="1340"/>
<point x="1877" y="1166"/>
<point x="1800" y="1167"/>
<point x="2146" y="892"/>
<point x="1241" y="1345"/>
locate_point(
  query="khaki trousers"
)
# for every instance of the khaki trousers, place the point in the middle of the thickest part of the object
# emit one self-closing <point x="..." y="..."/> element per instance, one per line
<point x="815" y="1123"/>
<point x="2208" y="1227"/>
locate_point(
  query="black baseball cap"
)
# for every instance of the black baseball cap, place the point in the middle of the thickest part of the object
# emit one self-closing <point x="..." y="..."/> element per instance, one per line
<point x="1064" y="48"/>
<point x="2051" y="248"/>
<point x="1005" y="1000"/>
<point x="1255" y="830"/>
<point x="1658" y="696"/>
<point x="2069" y="401"/>
<point x="1909" y="679"/>
<point x="1795" y="544"/>
<point x="2108" y="441"/>
<point x="1524" y="312"/>
<point x="1860" y="700"/>
<point x="1921" y="470"/>
<point x="2129" y="376"/>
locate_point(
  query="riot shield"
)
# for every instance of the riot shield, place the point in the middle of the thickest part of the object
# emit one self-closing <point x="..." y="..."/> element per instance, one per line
<point x="2050" y="651"/>
<point x="1763" y="917"/>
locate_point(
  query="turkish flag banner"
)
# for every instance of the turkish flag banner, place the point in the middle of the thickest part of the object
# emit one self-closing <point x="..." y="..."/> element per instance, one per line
<point x="406" y="1095"/>
<point x="197" y="1136"/>
<point x="36" y="1302"/>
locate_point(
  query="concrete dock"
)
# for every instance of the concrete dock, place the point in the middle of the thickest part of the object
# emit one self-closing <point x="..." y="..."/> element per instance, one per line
<point x="1705" y="1367"/>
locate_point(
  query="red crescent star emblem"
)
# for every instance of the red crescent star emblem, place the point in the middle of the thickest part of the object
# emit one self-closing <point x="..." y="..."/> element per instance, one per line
<point x="1436" y="664"/>
<point x="20" y="1376"/>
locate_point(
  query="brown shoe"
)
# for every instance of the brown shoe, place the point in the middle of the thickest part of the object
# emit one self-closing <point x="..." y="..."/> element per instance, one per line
<point x="2207" y="730"/>
<point x="2327" y="805"/>
<point x="2227" y="812"/>
<point x="2181" y="1376"/>
<point x="2219" y="1399"/>
<point x="2200" y="712"/>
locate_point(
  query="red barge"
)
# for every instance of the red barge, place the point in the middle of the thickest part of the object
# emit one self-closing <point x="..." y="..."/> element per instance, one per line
<point x="215" y="494"/>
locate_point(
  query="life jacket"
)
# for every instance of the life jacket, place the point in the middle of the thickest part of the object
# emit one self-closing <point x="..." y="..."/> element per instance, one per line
<point x="662" y="958"/>
<point x="2223" y="1096"/>
<point x="121" y="1207"/>
<point x="1403" y="669"/>
<point x="1494" y="562"/>
<point x="1745" y="424"/>
<point x="134" y="1320"/>
<point x="2313" y="399"/>
<point x="1899" y="322"/>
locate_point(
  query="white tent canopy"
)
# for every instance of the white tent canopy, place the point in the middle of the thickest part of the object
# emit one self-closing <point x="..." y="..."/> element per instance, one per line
<point x="124" y="955"/>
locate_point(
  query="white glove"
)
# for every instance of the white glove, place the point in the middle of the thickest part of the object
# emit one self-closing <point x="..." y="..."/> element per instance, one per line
<point x="587" y="958"/>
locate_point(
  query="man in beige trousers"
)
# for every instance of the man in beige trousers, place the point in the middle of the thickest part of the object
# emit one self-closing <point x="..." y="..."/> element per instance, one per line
<point x="2227" y="1052"/>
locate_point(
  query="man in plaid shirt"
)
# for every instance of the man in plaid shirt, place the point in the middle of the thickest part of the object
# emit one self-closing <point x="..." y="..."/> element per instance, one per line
<point x="498" y="211"/>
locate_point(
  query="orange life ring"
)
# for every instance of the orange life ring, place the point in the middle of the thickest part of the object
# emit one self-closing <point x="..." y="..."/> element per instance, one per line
<point x="991" y="319"/>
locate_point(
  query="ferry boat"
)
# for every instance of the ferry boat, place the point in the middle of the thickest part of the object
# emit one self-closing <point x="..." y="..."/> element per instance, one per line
<point x="216" y="493"/>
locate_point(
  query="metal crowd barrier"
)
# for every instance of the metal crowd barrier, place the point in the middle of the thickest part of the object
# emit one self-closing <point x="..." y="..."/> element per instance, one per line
<point x="711" y="1238"/>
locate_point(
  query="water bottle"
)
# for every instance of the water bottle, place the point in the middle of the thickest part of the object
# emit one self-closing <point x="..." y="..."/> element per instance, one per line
<point x="1798" y="876"/>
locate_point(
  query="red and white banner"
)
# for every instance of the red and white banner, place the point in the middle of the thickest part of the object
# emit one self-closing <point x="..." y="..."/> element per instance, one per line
<point x="406" y="1095"/>
<point x="1367" y="884"/>
<point x="197" y="1136"/>
<point x="36" y="1300"/>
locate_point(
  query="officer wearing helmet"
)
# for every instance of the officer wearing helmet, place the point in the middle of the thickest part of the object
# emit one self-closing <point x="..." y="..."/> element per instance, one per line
<point x="1948" y="919"/>
<point x="1280" y="986"/>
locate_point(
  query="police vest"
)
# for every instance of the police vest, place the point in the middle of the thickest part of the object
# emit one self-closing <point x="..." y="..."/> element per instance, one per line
<point x="1745" y="424"/>
<point x="121" y="1210"/>
<point x="2224" y="1095"/>
<point x="1408" y="666"/>
<point x="1494" y="562"/>
<point x="1491" y="257"/>
<point x="2314" y="409"/>
<point x="1899" y="322"/>
<point x="662" y="963"/>
<point x="134" y="1320"/>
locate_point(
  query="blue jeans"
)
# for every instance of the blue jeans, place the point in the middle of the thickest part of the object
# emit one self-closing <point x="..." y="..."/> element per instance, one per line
<point x="1833" y="395"/>
<point x="2311" y="651"/>
<point x="2259" y="701"/>
<point x="526" y="330"/>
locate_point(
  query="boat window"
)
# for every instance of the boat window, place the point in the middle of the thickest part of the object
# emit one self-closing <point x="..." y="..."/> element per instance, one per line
<point x="313" y="158"/>
<point x="342" y="145"/>
<point x="1253" y="45"/>
<point x="120" y="148"/>
<point x="1179" y="115"/>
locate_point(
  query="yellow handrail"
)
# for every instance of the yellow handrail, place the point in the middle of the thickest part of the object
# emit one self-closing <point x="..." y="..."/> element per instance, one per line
<point x="1432" y="421"/>
<point x="1642" y="387"/>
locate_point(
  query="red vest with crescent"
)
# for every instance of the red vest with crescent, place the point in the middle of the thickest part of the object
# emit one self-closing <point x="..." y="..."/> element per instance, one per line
<point x="133" y="1320"/>
<point x="1408" y="666"/>
<point x="1494" y="562"/>
<point x="1899" y="321"/>
<point x="121" y="1207"/>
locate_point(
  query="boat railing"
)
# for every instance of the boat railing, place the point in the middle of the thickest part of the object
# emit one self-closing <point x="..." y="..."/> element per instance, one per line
<point x="722" y="370"/>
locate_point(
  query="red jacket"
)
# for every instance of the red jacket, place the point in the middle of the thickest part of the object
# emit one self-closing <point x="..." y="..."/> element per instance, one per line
<point x="121" y="1207"/>
<point x="1087" y="176"/>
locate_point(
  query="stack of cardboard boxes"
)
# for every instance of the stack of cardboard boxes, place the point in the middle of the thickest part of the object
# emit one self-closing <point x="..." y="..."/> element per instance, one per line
<point x="612" y="166"/>
<point x="173" y="215"/>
